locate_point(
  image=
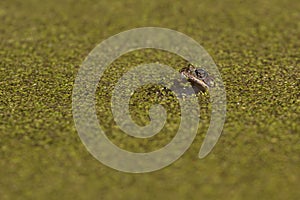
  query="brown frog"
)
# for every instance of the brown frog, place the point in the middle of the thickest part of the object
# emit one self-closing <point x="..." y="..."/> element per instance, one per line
<point x="199" y="78"/>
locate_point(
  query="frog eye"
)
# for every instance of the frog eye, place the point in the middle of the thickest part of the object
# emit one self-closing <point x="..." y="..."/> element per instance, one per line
<point x="201" y="73"/>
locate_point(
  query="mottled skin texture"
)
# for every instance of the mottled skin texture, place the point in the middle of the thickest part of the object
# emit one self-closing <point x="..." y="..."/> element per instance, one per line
<point x="199" y="78"/>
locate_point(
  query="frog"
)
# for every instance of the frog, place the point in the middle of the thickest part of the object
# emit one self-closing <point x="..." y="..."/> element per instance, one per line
<point x="200" y="79"/>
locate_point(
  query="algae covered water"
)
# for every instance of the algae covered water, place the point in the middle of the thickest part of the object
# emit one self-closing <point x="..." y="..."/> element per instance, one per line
<point x="255" y="45"/>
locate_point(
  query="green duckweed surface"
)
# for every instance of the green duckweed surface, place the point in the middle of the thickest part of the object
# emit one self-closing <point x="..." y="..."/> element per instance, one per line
<point x="255" y="45"/>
